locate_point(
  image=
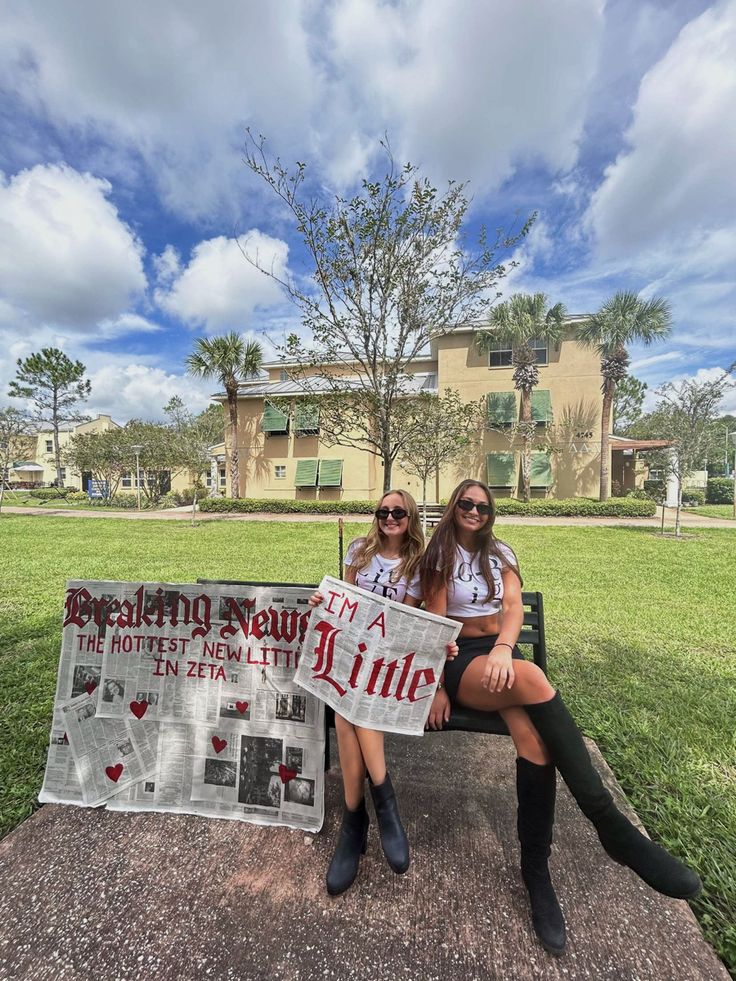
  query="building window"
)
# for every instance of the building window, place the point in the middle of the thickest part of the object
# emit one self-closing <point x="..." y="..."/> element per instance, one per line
<point x="283" y="375"/>
<point x="499" y="356"/>
<point x="49" y="446"/>
<point x="62" y="473"/>
<point x="540" y="349"/>
<point x="223" y="477"/>
<point x="279" y="472"/>
<point x="208" y="480"/>
<point x="127" y="480"/>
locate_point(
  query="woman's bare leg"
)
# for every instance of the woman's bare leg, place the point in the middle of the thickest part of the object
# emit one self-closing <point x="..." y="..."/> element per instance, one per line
<point x="528" y="742"/>
<point x="529" y="688"/>
<point x="374" y="757"/>
<point x="351" y="762"/>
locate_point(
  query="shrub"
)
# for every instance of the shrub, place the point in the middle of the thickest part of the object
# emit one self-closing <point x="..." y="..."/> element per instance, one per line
<point x="248" y="505"/>
<point x="186" y="496"/>
<point x="720" y="490"/>
<point x="47" y="493"/>
<point x="693" y="496"/>
<point x="574" y="507"/>
<point x="77" y="496"/>
<point x="170" y="500"/>
<point x="124" y="502"/>
<point x="655" y="489"/>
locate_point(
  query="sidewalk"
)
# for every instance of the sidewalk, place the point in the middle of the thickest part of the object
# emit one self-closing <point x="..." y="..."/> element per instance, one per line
<point x="185" y="513"/>
<point x="105" y="895"/>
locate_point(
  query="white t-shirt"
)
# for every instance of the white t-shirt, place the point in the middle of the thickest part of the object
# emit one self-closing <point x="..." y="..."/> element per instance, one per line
<point x="467" y="589"/>
<point x="378" y="576"/>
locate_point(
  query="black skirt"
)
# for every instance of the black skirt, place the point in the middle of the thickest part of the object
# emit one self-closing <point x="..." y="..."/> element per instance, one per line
<point x="470" y="648"/>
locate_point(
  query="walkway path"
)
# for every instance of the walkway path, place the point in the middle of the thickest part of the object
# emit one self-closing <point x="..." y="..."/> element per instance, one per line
<point x="90" y="893"/>
<point x="184" y="514"/>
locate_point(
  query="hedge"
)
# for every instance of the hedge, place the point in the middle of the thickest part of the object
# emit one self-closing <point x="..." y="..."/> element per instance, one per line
<point x="248" y="505"/>
<point x="720" y="490"/>
<point x="47" y="493"/>
<point x="623" y="507"/>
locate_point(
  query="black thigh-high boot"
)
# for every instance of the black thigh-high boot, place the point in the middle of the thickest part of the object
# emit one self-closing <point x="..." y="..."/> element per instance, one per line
<point x="536" y="789"/>
<point x="393" y="837"/>
<point x="623" y="842"/>
<point x="351" y="844"/>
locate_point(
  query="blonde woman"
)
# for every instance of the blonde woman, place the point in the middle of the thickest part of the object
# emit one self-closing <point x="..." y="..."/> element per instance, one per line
<point x="385" y="561"/>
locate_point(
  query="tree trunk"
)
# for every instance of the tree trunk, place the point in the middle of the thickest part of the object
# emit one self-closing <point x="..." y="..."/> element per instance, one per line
<point x="608" y="389"/>
<point x="526" y="452"/>
<point x="232" y="404"/>
<point x="424" y="507"/>
<point x="194" y="505"/>
<point x="387" y="465"/>
<point x="57" y="448"/>
<point x="679" y="505"/>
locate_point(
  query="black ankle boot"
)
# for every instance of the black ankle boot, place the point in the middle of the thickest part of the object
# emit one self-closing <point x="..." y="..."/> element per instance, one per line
<point x="351" y="844"/>
<point x="393" y="837"/>
<point x="623" y="842"/>
<point x="536" y="788"/>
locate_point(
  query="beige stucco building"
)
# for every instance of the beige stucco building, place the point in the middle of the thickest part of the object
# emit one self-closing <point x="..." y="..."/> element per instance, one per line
<point x="39" y="469"/>
<point x="282" y="456"/>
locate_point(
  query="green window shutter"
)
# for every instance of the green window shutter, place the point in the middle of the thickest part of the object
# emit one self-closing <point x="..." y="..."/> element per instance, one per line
<point x="274" y="421"/>
<point x="306" y="418"/>
<point x="330" y="473"/>
<point x="306" y="473"/>
<point x="501" y="408"/>
<point x="541" y="406"/>
<point x="501" y="468"/>
<point x="541" y="470"/>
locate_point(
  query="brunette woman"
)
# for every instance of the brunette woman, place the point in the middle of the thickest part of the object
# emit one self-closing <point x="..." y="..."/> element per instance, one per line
<point x="469" y="575"/>
<point x="386" y="562"/>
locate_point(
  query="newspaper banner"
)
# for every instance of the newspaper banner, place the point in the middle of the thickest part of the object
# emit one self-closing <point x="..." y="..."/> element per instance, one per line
<point x="374" y="661"/>
<point x="209" y="671"/>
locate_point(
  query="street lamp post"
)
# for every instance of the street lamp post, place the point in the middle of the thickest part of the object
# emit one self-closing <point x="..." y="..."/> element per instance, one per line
<point x="137" y="450"/>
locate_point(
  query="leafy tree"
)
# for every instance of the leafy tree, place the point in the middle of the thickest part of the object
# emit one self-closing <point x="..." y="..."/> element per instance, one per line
<point x="16" y="440"/>
<point x="445" y="427"/>
<point x="622" y="319"/>
<point x="106" y="455"/>
<point x="628" y="400"/>
<point x="390" y="272"/>
<point x="721" y="452"/>
<point x="227" y="358"/>
<point x="55" y="385"/>
<point x="519" y="321"/>
<point x="195" y="435"/>
<point x="687" y="411"/>
<point x="159" y="458"/>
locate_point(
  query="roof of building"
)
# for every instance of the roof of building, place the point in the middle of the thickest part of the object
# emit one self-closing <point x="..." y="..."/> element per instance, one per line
<point x="622" y="443"/>
<point x="317" y="385"/>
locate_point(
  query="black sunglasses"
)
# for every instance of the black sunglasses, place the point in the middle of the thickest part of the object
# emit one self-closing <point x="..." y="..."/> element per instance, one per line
<point x="465" y="504"/>
<point x="396" y="513"/>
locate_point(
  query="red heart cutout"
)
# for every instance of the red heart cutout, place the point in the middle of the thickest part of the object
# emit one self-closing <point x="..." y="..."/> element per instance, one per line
<point x="285" y="773"/>
<point x="90" y="686"/>
<point x="218" y="744"/>
<point x="242" y="707"/>
<point x="139" y="709"/>
<point x="113" y="772"/>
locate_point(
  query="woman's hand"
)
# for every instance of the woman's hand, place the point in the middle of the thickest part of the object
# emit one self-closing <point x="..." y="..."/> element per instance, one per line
<point x="440" y="711"/>
<point x="316" y="599"/>
<point x="452" y="651"/>
<point x="499" y="672"/>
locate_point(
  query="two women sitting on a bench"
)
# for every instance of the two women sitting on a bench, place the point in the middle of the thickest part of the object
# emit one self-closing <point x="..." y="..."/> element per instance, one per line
<point x="467" y="574"/>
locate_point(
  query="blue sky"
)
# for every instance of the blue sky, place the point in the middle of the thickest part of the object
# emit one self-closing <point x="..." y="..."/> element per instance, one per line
<point x="123" y="191"/>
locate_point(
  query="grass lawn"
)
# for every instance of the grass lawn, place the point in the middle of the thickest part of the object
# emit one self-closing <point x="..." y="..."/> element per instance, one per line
<point x="714" y="511"/>
<point x="641" y="638"/>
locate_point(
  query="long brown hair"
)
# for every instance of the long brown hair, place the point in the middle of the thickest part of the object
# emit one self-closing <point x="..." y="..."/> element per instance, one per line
<point x="439" y="559"/>
<point x="412" y="547"/>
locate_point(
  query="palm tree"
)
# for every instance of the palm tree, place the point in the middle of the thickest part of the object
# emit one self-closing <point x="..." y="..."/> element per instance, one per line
<point x="227" y="358"/>
<point x="623" y="318"/>
<point x="519" y="321"/>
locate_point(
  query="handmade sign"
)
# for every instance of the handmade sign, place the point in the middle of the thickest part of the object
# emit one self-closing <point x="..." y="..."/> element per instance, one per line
<point x="376" y="662"/>
<point x="182" y="698"/>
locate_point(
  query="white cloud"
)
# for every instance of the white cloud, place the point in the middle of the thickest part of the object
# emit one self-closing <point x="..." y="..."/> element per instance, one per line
<point x="671" y="195"/>
<point x="653" y="359"/>
<point x="220" y="288"/>
<point x="65" y="255"/>
<point x="472" y="88"/>
<point x="140" y="391"/>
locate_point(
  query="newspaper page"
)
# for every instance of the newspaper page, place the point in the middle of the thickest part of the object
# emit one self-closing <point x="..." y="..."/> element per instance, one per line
<point x="110" y="755"/>
<point x="212" y="668"/>
<point x="374" y="661"/>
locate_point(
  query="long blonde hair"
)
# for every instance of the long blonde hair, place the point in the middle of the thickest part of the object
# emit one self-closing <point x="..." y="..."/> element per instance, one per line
<point x="412" y="548"/>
